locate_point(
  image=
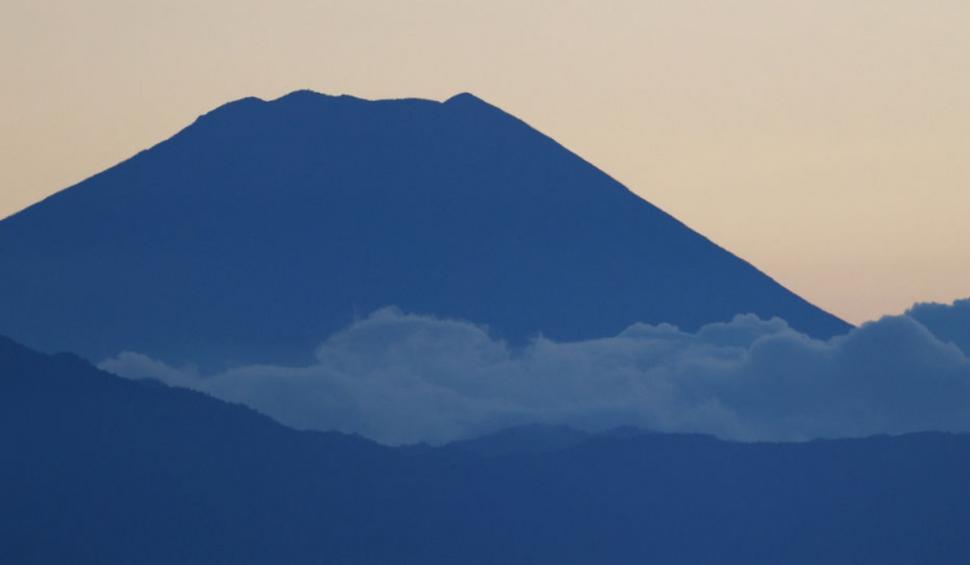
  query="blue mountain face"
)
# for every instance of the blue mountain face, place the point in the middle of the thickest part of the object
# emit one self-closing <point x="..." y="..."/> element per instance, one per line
<point x="95" y="469"/>
<point x="264" y="226"/>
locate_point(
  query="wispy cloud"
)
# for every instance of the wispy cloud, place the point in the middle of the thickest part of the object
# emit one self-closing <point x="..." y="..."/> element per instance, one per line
<point x="401" y="378"/>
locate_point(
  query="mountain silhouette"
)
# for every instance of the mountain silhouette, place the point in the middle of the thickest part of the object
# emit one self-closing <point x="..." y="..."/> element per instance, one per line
<point x="265" y="226"/>
<point x="96" y="469"/>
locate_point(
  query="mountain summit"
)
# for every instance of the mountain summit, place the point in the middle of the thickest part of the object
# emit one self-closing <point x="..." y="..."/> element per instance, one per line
<point x="264" y="226"/>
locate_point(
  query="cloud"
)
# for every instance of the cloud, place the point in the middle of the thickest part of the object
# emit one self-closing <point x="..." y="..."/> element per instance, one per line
<point x="948" y="322"/>
<point x="404" y="378"/>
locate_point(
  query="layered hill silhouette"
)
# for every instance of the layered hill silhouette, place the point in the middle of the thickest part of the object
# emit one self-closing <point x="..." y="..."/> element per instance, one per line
<point x="264" y="226"/>
<point x="99" y="469"/>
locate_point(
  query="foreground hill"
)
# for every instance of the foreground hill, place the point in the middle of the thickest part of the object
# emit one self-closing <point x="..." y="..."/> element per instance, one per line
<point x="98" y="469"/>
<point x="265" y="226"/>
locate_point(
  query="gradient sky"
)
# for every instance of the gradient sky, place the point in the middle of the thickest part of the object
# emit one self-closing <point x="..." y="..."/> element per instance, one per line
<point x="825" y="141"/>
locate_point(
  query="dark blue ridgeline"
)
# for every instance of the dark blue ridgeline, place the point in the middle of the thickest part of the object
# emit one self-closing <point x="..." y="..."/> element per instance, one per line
<point x="265" y="226"/>
<point x="95" y="469"/>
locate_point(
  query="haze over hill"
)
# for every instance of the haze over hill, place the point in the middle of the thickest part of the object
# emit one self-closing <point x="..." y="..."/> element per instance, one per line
<point x="262" y="228"/>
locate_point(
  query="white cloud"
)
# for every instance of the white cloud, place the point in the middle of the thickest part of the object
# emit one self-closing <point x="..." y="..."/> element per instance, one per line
<point x="402" y="378"/>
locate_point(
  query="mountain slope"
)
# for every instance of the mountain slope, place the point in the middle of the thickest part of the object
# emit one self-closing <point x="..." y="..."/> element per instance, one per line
<point x="98" y="469"/>
<point x="265" y="226"/>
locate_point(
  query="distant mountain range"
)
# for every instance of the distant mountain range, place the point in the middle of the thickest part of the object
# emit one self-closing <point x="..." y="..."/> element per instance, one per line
<point x="96" y="469"/>
<point x="265" y="226"/>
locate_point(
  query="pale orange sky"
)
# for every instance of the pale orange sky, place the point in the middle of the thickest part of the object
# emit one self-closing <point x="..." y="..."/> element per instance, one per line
<point x="824" y="141"/>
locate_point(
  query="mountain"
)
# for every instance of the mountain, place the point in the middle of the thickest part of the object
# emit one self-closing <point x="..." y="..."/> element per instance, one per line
<point x="265" y="226"/>
<point x="533" y="438"/>
<point x="99" y="469"/>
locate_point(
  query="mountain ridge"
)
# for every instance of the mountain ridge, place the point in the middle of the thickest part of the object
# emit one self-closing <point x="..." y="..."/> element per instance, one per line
<point x="451" y="208"/>
<point x="99" y="469"/>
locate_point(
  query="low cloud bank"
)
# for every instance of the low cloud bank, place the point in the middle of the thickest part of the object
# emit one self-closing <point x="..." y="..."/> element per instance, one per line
<point x="949" y="322"/>
<point x="404" y="378"/>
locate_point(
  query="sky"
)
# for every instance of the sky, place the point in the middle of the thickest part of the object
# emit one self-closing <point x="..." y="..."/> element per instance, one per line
<point x="823" y="141"/>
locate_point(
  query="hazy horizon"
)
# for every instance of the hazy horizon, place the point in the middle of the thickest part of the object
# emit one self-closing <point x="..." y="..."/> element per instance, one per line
<point x="821" y="142"/>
